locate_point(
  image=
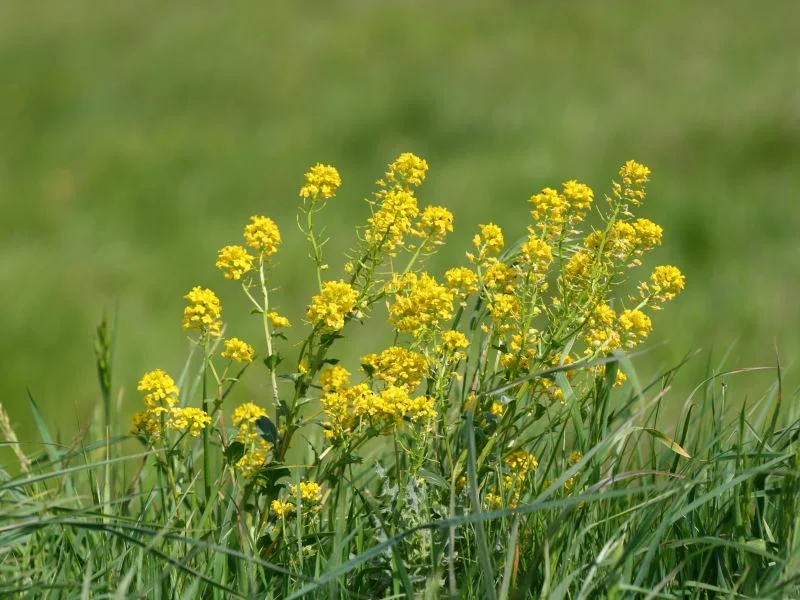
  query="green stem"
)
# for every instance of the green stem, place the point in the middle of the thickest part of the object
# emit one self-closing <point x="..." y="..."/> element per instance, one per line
<point x="206" y="431"/>
<point x="268" y="336"/>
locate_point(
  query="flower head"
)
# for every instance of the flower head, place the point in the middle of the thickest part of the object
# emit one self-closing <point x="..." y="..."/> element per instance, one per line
<point x="407" y="169"/>
<point x="397" y="366"/>
<point x="191" y="420"/>
<point x="278" y="321"/>
<point x="579" y="196"/>
<point x="666" y="282"/>
<point x="160" y="389"/>
<point x="282" y="509"/>
<point x="391" y="221"/>
<point x="322" y="181"/>
<point x="435" y="223"/>
<point x="462" y="280"/>
<point x="490" y="240"/>
<point x="262" y="234"/>
<point x="247" y="413"/>
<point x="420" y="303"/>
<point x="635" y="326"/>
<point x="334" y="378"/>
<point x="235" y="261"/>
<point x="549" y="207"/>
<point x="310" y="491"/>
<point x="203" y="312"/>
<point x="332" y="305"/>
<point x="238" y="351"/>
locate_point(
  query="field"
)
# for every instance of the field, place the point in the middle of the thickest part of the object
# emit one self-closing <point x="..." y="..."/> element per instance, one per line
<point x="136" y="139"/>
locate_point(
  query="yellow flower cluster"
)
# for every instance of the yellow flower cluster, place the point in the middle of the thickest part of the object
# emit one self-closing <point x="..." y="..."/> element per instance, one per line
<point x="407" y="169"/>
<point x="310" y="491"/>
<point x="489" y="241"/>
<point x="634" y="177"/>
<point x="608" y="331"/>
<point x="256" y="449"/>
<point x="499" y="277"/>
<point x="282" y="509"/>
<point x="160" y="399"/>
<point x="435" y="223"/>
<point x="332" y="306"/>
<point x="278" y="321"/>
<point x="505" y="311"/>
<point x="665" y="283"/>
<point x="453" y="345"/>
<point x="634" y="327"/>
<point x="238" y="351"/>
<point x="262" y="234"/>
<point x="203" y="311"/>
<point x="322" y="181"/>
<point x="235" y="261"/>
<point x="521" y="462"/>
<point x="537" y="254"/>
<point x="626" y="240"/>
<point x="351" y="408"/>
<point x="334" y="378"/>
<point x="392" y="220"/>
<point x="397" y="366"/>
<point x="553" y="210"/>
<point x="420" y="304"/>
<point x="190" y="419"/>
<point x="462" y="281"/>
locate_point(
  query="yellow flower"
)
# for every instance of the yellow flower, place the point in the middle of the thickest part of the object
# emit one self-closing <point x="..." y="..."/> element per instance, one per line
<point x="454" y="341"/>
<point x="580" y="198"/>
<point x="193" y="420"/>
<point x="331" y="307"/>
<point x="505" y="309"/>
<point x="407" y="169"/>
<point x="521" y="462"/>
<point x="499" y="277"/>
<point x="147" y="423"/>
<point x="578" y="270"/>
<point x="262" y="234"/>
<point x="420" y="303"/>
<point x="497" y="409"/>
<point x="239" y="351"/>
<point x="462" y="280"/>
<point x="282" y="509"/>
<point x="635" y="327"/>
<point x="634" y="177"/>
<point x="160" y="387"/>
<point x="255" y="456"/>
<point x="493" y="501"/>
<point x="203" y="312"/>
<point x="537" y="252"/>
<point x="490" y="240"/>
<point x="649" y="234"/>
<point x="575" y="457"/>
<point x="397" y="366"/>
<point x="322" y="181"/>
<point x="278" y="321"/>
<point x="247" y="413"/>
<point x="310" y="491"/>
<point x="666" y="282"/>
<point x="549" y="207"/>
<point x="235" y="261"/>
<point x="392" y="220"/>
<point x="601" y="332"/>
<point x="334" y="378"/>
<point x="435" y="223"/>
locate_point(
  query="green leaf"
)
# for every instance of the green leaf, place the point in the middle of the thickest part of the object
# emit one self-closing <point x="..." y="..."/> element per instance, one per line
<point x="272" y="361"/>
<point x="667" y="441"/>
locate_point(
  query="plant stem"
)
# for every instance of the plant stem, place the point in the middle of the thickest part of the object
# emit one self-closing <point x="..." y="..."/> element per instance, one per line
<point x="206" y="432"/>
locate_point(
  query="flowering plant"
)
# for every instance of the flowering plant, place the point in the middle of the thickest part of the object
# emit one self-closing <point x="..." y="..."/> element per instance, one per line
<point x="502" y="359"/>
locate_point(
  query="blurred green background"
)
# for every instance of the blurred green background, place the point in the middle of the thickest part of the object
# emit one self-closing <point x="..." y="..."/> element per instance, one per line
<point x="136" y="138"/>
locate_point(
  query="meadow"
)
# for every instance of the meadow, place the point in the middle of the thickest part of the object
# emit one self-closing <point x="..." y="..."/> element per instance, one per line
<point x="135" y="140"/>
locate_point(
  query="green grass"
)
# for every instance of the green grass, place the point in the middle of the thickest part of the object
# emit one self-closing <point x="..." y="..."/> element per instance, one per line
<point x="136" y="138"/>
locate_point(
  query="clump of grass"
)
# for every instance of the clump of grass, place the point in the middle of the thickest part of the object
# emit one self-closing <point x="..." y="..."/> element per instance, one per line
<point x="497" y="445"/>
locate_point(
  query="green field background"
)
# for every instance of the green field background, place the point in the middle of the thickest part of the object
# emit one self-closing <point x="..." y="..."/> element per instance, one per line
<point x="136" y="138"/>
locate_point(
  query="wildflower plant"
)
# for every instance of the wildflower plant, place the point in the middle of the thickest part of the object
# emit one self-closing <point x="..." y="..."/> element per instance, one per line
<point x="450" y="456"/>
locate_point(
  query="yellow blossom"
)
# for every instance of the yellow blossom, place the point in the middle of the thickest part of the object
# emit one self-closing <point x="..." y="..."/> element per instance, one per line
<point x="192" y="420"/>
<point x="462" y="280"/>
<point x="493" y="501"/>
<point x="262" y="234"/>
<point x="310" y="491"/>
<point x="203" y="312"/>
<point x="454" y="343"/>
<point x="578" y="270"/>
<point x="435" y="223"/>
<point x="537" y="252"/>
<point x="521" y="462"/>
<point x="505" y="309"/>
<point x="635" y="326"/>
<point x="497" y="409"/>
<point x="575" y="457"/>
<point x="397" y="366"/>
<point x="322" y="181"/>
<point x="579" y="196"/>
<point x="490" y="240"/>
<point x="332" y="306"/>
<point x="278" y="321"/>
<point x="247" y="413"/>
<point x="407" y="169"/>
<point x="282" y="509"/>
<point x="160" y="389"/>
<point x="549" y="207"/>
<point x="420" y="303"/>
<point x="392" y="220"/>
<point x="601" y="332"/>
<point x="238" y="351"/>
<point x="666" y="282"/>
<point x="235" y="261"/>
<point x="255" y="456"/>
<point x="334" y="378"/>
<point x="649" y="234"/>
<point x="634" y="177"/>
<point x="498" y="276"/>
<point x="147" y="423"/>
